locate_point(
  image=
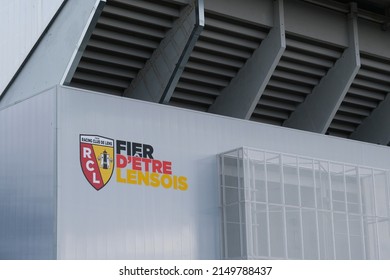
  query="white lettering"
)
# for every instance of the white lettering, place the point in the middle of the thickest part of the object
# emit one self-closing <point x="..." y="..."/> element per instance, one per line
<point x="88" y="165"/>
<point x="87" y="152"/>
<point x="95" y="181"/>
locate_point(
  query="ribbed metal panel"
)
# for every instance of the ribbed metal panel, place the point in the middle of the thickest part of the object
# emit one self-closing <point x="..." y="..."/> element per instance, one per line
<point x="368" y="89"/>
<point x="126" y="34"/>
<point x="21" y="25"/>
<point x="222" y="49"/>
<point x="301" y="68"/>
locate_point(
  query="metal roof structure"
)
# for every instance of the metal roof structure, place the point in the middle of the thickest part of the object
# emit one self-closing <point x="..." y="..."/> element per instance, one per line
<point x="316" y="65"/>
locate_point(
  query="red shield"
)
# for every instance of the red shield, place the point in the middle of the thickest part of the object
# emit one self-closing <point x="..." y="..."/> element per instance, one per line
<point x="97" y="159"/>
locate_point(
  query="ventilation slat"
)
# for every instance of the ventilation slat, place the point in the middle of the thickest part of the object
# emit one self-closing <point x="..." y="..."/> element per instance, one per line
<point x="115" y="72"/>
<point x="348" y="118"/>
<point x="366" y="94"/>
<point x="204" y="79"/>
<point x="354" y="110"/>
<point x="235" y="29"/>
<point x="301" y="69"/>
<point x="102" y="80"/>
<point x="374" y="64"/>
<point x="368" y="89"/>
<point x="269" y="103"/>
<point x="217" y="59"/>
<point x="371" y="86"/>
<point x="295" y="78"/>
<point x="112" y="60"/>
<point x="195" y="88"/>
<point x="117" y="49"/>
<point x="282" y="115"/>
<point x="283" y="96"/>
<point x="288" y="87"/>
<point x="210" y="47"/>
<point x="222" y="49"/>
<point x="325" y="52"/>
<point x="377" y="77"/>
<point x="99" y="88"/>
<point x="196" y="98"/>
<point x="235" y="42"/>
<point x="122" y="38"/>
<point x="337" y="133"/>
<point x="128" y="27"/>
<point x="227" y="73"/>
<point x="133" y="16"/>
<point x="301" y="58"/>
<point x="341" y="126"/>
<point x="149" y="7"/>
<point x="360" y="102"/>
<point x="266" y="119"/>
<point x="188" y="105"/>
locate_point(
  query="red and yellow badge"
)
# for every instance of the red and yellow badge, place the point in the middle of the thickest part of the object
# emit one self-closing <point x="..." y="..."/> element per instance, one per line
<point x="97" y="159"/>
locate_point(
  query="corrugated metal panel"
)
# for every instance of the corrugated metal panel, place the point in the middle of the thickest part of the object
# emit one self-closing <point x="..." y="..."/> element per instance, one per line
<point x="21" y="24"/>
<point x="28" y="179"/>
<point x="301" y="68"/>
<point x="369" y="88"/>
<point x="222" y="49"/>
<point x="125" y="37"/>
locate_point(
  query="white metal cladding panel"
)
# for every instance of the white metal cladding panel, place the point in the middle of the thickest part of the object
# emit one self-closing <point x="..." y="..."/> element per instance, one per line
<point x="124" y="221"/>
<point x="27" y="179"/>
<point x="21" y="24"/>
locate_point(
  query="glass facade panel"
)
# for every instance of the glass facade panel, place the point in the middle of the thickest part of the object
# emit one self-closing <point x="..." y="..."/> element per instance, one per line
<point x="356" y="237"/>
<point x="291" y="180"/>
<point x="352" y="189"/>
<point x="277" y="206"/>
<point x="371" y="237"/>
<point x="274" y="178"/>
<point x="294" y="235"/>
<point x="260" y="229"/>
<point x="341" y="236"/>
<point x="325" y="233"/>
<point x="258" y="181"/>
<point x="322" y="185"/>
<point x="384" y="238"/>
<point x="338" y="188"/>
<point x="381" y="195"/>
<point x="307" y="187"/>
<point x="367" y="190"/>
<point x="310" y="241"/>
<point x="276" y="228"/>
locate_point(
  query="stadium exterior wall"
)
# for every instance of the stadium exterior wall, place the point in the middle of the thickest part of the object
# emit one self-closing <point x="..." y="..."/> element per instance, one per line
<point x="53" y="149"/>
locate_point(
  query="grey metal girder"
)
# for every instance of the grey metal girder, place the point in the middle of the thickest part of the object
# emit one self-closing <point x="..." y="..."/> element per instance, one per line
<point x="157" y="80"/>
<point x="317" y="111"/>
<point x="375" y="128"/>
<point x="240" y="98"/>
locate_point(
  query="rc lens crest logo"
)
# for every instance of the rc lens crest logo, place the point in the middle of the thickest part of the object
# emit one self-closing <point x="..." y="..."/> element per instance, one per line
<point x="97" y="159"/>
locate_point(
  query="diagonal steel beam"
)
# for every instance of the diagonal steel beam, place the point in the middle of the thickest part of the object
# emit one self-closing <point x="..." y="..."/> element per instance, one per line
<point x="375" y="128"/>
<point x="157" y="80"/>
<point x="240" y="98"/>
<point x="317" y="111"/>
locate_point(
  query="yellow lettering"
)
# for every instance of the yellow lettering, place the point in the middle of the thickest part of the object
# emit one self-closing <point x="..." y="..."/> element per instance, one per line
<point x="154" y="180"/>
<point x="119" y="178"/>
<point x="131" y="176"/>
<point x="166" y="181"/>
<point x="183" y="185"/>
<point x="143" y="178"/>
